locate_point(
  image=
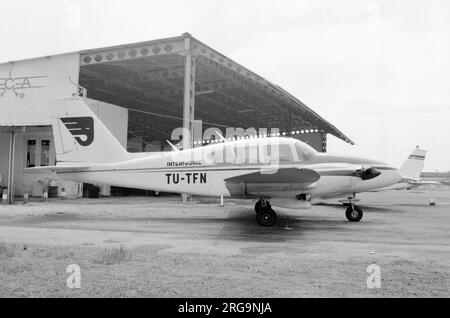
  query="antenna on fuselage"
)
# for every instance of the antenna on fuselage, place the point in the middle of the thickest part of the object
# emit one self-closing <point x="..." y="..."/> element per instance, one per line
<point x="174" y="148"/>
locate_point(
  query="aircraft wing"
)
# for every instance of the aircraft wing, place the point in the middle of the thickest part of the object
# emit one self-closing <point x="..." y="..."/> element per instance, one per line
<point x="307" y="174"/>
<point x="66" y="168"/>
<point x="281" y="175"/>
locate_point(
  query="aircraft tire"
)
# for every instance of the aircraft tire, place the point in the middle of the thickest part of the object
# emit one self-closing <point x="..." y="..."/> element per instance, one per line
<point x="267" y="217"/>
<point x="354" y="214"/>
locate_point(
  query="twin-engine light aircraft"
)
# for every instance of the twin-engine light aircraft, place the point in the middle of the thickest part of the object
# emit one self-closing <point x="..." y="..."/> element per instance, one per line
<point x="276" y="171"/>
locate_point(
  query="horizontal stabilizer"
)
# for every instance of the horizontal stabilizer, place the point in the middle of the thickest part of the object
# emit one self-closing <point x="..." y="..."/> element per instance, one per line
<point x="282" y="175"/>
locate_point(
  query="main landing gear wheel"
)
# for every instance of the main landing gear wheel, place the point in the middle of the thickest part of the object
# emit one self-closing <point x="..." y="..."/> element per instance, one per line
<point x="266" y="217"/>
<point x="354" y="213"/>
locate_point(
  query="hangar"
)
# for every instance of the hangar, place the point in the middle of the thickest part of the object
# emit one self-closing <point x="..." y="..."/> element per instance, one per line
<point x="141" y="92"/>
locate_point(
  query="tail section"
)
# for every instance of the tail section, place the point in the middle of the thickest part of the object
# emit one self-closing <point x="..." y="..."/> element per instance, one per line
<point x="80" y="136"/>
<point x="413" y="166"/>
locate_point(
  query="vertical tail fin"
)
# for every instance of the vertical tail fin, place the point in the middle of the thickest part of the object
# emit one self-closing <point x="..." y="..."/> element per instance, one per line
<point x="80" y="136"/>
<point x="413" y="166"/>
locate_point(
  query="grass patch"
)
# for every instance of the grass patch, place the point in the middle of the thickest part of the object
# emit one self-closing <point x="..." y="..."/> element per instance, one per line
<point x="115" y="255"/>
<point x="6" y="251"/>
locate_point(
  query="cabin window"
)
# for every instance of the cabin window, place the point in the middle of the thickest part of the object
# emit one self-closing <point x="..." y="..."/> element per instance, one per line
<point x="246" y="154"/>
<point x="240" y="154"/>
<point x="217" y="156"/>
<point x="251" y="154"/>
<point x="207" y="156"/>
<point x="275" y="152"/>
<point x="229" y="154"/>
<point x="285" y="153"/>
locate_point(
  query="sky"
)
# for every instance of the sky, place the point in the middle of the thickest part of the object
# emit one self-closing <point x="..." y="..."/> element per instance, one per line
<point x="378" y="70"/>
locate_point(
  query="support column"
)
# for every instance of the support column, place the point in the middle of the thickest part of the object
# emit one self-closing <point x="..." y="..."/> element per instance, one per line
<point x="324" y="141"/>
<point x="198" y="132"/>
<point x="288" y="125"/>
<point x="12" y="146"/>
<point x="188" y="98"/>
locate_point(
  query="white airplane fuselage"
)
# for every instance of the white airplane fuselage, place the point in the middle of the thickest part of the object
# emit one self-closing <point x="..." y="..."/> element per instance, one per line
<point x="286" y="171"/>
<point x="188" y="172"/>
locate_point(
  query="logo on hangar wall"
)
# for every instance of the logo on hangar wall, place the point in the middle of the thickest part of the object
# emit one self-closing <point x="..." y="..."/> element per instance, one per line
<point x="17" y="84"/>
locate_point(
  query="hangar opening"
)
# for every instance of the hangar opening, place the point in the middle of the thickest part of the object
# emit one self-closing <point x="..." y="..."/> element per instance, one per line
<point x="142" y="92"/>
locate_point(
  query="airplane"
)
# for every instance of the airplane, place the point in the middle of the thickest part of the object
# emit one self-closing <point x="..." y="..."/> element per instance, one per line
<point x="274" y="171"/>
<point x="411" y="170"/>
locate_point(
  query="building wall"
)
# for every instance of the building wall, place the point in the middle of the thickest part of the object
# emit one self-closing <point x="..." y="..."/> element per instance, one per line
<point x="27" y="86"/>
<point x="115" y="119"/>
<point x="24" y="179"/>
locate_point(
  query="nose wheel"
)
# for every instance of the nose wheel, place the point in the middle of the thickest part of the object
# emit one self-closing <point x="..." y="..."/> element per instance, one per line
<point x="354" y="213"/>
<point x="265" y="216"/>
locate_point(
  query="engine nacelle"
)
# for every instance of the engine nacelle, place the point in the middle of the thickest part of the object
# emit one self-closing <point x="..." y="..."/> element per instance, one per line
<point x="367" y="174"/>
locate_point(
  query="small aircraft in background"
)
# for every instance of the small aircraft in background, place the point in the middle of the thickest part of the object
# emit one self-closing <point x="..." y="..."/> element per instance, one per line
<point x="275" y="171"/>
<point x="411" y="170"/>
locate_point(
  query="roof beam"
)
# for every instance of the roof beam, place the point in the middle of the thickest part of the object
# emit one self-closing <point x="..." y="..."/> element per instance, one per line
<point x="130" y="52"/>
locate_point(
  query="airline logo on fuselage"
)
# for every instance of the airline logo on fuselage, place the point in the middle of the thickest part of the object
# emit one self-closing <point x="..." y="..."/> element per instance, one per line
<point x="82" y="128"/>
<point x="183" y="163"/>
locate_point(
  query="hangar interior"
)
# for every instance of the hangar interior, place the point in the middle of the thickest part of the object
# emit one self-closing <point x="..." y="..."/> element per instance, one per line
<point x="143" y="91"/>
<point x="150" y="79"/>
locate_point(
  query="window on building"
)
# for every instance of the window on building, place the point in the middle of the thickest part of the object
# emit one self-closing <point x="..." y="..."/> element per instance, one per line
<point x="39" y="153"/>
<point x="31" y="153"/>
<point x="45" y="152"/>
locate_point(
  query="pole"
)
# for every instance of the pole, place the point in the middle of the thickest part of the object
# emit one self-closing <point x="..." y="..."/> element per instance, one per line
<point x="12" y="146"/>
<point x="188" y="99"/>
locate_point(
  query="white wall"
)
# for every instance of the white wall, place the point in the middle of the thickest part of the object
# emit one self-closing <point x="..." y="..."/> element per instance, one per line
<point x="115" y="119"/>
<point x="26" y="87"/>
<point x="35" y="81"/>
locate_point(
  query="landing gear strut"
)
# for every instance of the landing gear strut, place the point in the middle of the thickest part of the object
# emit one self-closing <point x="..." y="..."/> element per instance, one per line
<point x="265" y="216"/>
<point x="353" y="213"/>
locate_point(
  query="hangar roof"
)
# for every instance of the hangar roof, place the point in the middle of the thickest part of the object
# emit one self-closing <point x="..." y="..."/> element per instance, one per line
<point x="148" y="78"/>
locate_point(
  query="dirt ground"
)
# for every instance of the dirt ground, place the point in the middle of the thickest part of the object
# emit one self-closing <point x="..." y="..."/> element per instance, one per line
<point x="203" y="250"/>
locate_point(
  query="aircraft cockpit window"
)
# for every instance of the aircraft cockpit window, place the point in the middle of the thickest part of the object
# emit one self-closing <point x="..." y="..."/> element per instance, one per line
<point x="304" y="151"/>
